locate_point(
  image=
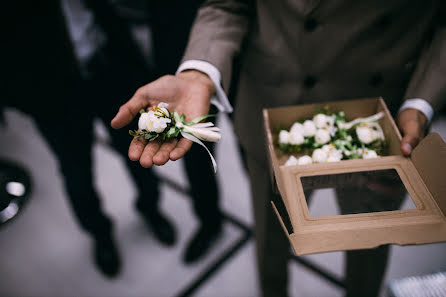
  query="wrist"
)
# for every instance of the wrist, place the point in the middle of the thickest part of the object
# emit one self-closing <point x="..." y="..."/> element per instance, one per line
<point x="199" y="77"/>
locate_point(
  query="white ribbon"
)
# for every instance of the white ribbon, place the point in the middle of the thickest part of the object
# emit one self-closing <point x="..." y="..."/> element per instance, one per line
<point x="372" y="118"/>
<point x="196" y="140"/>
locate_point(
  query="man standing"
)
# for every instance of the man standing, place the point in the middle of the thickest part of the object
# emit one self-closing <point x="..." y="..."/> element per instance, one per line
<point x="298" y="52"/>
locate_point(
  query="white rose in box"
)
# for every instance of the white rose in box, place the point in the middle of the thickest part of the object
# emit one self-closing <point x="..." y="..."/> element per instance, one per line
<point x="319" y="156"/>
<point x="296" y="138"/>
<point x="284" y="137"/>
<point x="297" y="128"/>
<point x="322" y="136"/>
<point x="347" y="140"/>
<point x="366" y="134"/>
<point x="369" y="154"/>
<point x="320" y="120"/>
<point x="304" y="160"/>
<point x="309" y="128"/>
<point x="323" y="121"/>
<point x="334" y="155"/>
<point x="292" y="160"/>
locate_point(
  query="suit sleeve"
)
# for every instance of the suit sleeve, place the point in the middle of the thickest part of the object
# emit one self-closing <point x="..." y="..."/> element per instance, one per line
<point x="218" y="33"/>
<point x="429" y="79"/>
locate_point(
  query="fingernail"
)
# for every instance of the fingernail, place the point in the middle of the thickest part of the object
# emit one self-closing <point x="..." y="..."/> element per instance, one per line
<point x="407" y="147"/>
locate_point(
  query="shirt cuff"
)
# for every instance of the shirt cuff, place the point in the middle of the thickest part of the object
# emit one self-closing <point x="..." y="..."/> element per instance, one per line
<point x="219" y="99"/>
<point x="421" y="105"/>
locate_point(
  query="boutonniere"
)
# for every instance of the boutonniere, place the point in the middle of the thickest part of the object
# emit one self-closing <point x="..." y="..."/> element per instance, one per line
<point x="160" y="123"/>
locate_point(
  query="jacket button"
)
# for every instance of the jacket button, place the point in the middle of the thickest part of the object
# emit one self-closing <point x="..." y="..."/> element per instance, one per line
<point x="310" y="81"/>
<point x="310" y="24"/>
<point x="376" y="79"/>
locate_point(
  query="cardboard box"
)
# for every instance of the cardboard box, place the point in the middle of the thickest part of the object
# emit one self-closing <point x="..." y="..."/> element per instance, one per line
<point x="422" y="176"/>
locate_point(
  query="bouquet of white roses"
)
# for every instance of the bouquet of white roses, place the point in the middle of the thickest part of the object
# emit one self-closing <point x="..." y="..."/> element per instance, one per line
<point x="159" y="123"/>
<point x="329" y="138"/>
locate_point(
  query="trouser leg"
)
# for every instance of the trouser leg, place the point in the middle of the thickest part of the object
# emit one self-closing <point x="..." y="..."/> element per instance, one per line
<point x="365" y="269"/>
<point x="146" y="180"/>
<point x="203" y="184"/>
<point x="272" y="246"/>
<point x="71" y="139"/>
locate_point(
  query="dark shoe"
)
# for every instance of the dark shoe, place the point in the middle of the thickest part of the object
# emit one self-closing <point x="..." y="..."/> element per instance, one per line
<point x="106" y="256"/>
<point x="160" y="226"/>
<point x="201" y="243"/>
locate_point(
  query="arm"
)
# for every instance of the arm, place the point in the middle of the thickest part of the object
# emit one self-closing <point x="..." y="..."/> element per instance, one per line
<point x="215" y="38"/>
<point x="428" y="82"/>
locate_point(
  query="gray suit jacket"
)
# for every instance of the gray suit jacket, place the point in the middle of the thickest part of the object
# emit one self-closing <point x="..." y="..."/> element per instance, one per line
<point x="300" y="51"/>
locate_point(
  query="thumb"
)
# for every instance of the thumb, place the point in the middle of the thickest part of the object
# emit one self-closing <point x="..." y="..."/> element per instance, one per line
<point x="412" y="124"/>
<point x="128" y="111"/>
<point x="408" y="143"/>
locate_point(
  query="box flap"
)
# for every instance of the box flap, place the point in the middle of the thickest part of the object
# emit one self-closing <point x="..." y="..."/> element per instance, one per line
<point x="429" y="158"/>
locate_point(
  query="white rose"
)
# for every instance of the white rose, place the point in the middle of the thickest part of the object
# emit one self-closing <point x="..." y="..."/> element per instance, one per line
<point x="334" y="154"/>
<point x="295" y="138"/>
<point x="366" y="134"/>
<point x="143" y="120"/>
<point x="320" y="120"/>
<point x="328" y="148"/>
<point x="304" y="160"/>
<point x="330" y="120"/>
<point x="153" y="123"/>
<point x="334" y="158"/>
<point x="323" y="121"/>
<point x="309" y="128"/>
<point x="322" y="136"/>
<point x="162" y="106"/>
<point x="297" y="128"/>
<point x="284" y="137"/>
<point x="369" y="154"/>
<point x="291" y="161"/>
<point x="319" y="156"/>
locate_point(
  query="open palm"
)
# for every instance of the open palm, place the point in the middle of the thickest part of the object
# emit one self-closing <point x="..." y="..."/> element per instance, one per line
<point x="189" y="93"/>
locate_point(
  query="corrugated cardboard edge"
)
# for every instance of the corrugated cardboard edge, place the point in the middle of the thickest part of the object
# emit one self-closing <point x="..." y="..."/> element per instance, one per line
<point x="429" y="158"/>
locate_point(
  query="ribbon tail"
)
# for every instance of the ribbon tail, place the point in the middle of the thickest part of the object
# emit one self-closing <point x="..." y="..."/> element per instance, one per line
<point x="203" y="125"/>
<point x="196" y="140"/>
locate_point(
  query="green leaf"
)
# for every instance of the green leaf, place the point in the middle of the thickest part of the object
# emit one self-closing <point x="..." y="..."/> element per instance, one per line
<point x="172" y="131"/>
<point x="142" y="111"/>
<point x="177" y="117"/>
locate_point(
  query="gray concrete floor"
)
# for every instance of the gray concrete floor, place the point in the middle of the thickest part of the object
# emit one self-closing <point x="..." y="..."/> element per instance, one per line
<point x="44" y="253"/>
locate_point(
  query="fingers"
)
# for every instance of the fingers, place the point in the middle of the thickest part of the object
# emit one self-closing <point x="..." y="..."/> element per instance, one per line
<point x="412" y="124"/>
<point x="128" y="111"/>
<point x="157" y="153"/>
<point x="181" y="149"/>
<point x="408" y="143"/>
<point x="136" y="148"/>
<point x="162" y="156"/>
<point x="150" y="150"/>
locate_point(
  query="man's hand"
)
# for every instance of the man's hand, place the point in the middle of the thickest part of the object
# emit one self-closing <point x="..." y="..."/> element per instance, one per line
<point x="189" y="92"/>
<point x="412" y="124"/>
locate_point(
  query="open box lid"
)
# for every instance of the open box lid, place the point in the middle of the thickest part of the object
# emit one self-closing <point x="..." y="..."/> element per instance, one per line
<point x="420" y="175"/>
